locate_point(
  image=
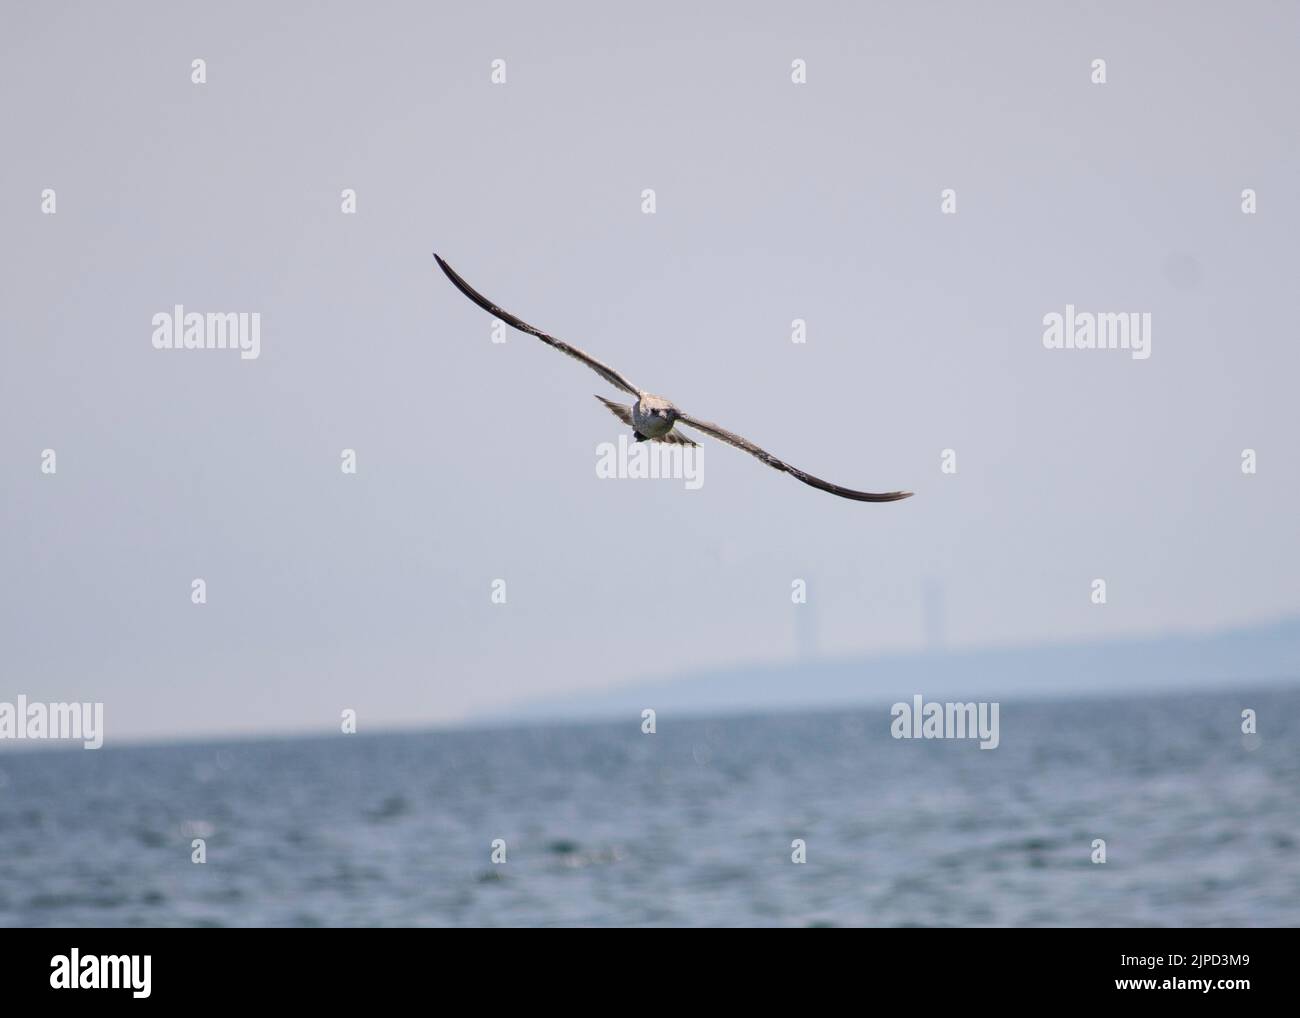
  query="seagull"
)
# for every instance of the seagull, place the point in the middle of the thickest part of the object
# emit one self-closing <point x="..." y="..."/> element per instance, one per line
<point x="652" y="418"/>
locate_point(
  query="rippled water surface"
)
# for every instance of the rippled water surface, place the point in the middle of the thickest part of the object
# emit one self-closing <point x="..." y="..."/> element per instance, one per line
<point x="693" y="825"/>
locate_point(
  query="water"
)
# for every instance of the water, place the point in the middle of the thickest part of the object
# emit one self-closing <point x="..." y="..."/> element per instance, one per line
<point x="691" y="826"/>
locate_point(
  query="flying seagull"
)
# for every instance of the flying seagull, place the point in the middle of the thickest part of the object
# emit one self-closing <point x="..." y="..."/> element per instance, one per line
<point x="653" y="417"/>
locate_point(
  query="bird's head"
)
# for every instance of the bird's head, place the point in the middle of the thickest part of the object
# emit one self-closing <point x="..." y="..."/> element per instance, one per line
<point x="658" y="408"/>
<point x="663" y="410"/>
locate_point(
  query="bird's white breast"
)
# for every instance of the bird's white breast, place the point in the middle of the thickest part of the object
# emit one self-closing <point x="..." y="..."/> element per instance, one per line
<point x="646" y="423"/>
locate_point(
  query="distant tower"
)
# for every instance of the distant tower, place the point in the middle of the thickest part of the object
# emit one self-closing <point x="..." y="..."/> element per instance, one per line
<point x="805" y="627"/>
<point x="933" y="622"/>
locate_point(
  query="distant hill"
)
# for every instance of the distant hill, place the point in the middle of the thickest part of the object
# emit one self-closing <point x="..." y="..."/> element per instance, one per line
<point x="1243" y="658"/>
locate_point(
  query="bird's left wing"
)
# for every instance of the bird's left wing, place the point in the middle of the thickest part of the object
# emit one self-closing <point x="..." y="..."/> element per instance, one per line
<point x="604" y="370"/>
<point x="762" y="454"/>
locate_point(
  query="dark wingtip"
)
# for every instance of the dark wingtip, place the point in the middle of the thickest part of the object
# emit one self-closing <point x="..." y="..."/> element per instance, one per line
<point x="889" y="496"/>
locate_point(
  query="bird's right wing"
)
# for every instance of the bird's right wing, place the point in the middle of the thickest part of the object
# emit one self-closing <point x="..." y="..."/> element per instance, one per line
<point x="762" y="454"/>
<point x="623" y="413"/>
<point x="605" y="372"/>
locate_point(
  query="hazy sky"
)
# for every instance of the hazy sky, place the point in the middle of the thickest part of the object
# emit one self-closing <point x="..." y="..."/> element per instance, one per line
<point x="476" y="461"/>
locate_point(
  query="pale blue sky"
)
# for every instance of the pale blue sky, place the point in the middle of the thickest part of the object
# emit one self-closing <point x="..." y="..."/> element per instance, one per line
<point x="477" y="461"/>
